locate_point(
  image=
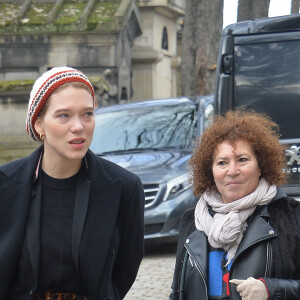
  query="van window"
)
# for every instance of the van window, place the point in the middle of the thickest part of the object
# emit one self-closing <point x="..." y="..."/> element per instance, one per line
<point x="271" y="70"/>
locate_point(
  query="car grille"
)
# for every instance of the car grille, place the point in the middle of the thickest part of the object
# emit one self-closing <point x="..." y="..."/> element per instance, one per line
<point x="151" y="191"/>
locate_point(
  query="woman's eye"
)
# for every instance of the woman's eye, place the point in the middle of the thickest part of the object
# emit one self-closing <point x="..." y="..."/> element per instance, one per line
<point x="88" y="115"/>
<point x="221" y="163"/>
<point x="243" y="159"/>
<point x="63" y="116"/>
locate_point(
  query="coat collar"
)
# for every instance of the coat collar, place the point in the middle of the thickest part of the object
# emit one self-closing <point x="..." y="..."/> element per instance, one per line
<point x="258" y="230"/>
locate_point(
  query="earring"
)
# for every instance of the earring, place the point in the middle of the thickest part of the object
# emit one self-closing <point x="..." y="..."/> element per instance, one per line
<point x="42" y="137"/>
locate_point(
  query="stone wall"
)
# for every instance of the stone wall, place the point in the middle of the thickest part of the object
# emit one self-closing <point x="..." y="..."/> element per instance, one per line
<point x="156" y="59"/>
<point x="14" y="147"/>
<point x="94" y="36"/>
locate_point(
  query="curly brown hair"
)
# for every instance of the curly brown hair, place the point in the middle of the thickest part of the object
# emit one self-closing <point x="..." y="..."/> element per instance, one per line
<point x="255" y="128"/>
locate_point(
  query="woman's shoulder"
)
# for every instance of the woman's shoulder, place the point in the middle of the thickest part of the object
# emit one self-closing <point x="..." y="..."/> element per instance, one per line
<point x="284" y="203"/>
<point x="188" y="217"/>
<point x="13" y="166"/>
<point x="187" y="224"/>
<point x="285" y="210"/>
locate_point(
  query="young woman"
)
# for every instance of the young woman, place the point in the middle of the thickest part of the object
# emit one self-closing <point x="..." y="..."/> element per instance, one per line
<point x="242" y="240"/>
<point x="71" y="223"/>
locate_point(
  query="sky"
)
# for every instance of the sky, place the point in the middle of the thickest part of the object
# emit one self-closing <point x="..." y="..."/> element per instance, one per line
<point x="277" y="8"/>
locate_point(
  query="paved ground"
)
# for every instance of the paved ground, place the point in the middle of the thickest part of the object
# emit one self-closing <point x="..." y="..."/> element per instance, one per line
<point x="155" y="274"/>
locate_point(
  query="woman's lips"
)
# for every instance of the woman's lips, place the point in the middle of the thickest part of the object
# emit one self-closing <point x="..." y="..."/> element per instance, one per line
<point x="77" y="143"/>
<point x="233" y="183"/>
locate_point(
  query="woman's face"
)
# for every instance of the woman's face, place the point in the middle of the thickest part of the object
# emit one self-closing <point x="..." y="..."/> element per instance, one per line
<point x="235" y="170"/>
<point x="68" y="124"/>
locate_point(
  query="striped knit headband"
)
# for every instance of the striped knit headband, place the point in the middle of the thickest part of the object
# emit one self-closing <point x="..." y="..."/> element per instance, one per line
<point x="42" y="89"/>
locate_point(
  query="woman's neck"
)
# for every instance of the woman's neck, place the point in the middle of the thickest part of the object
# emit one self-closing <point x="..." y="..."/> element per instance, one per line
<point x="60" y="168"/>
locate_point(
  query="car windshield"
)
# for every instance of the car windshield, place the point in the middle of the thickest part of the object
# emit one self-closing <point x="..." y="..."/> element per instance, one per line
<point x="148" y="127"/>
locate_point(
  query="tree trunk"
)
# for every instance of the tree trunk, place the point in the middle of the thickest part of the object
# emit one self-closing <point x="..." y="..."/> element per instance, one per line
<point x="295" y="7"/>
<point x="188" y="72"/>
<point x="252" y="9"/>
<point x="201" y="36"/>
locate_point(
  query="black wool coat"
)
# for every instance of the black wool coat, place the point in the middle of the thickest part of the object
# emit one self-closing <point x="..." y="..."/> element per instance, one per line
<point x="108" y="228"/>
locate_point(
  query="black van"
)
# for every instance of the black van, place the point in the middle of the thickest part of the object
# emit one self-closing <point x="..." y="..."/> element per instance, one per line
<point x="259" y="67"/>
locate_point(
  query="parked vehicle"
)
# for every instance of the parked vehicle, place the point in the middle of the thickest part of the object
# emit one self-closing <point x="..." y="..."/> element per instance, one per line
<point x="258" y="67"/>
<point x="154" y="139"/>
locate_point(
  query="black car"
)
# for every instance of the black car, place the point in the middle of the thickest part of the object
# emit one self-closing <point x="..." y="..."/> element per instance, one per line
<point x="258" y="68"/>
<point x="154" y="139"/>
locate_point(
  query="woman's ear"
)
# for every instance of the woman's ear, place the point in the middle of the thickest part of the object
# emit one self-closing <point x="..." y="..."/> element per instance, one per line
<point x="38" y="126"/>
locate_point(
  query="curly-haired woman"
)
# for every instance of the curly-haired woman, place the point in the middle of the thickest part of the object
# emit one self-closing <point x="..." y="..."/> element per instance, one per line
<point x="242" y="241"/>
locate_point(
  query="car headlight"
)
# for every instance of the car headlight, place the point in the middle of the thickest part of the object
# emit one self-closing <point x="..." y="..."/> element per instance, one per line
<point x="176" y="186"/>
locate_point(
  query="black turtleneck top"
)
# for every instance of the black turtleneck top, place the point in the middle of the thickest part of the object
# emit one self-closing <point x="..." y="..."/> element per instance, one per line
<point x="57" y="268"/>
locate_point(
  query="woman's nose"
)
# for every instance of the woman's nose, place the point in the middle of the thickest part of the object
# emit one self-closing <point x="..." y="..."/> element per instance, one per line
<point x="76" y="124"/>
<point x="232" y="169"/>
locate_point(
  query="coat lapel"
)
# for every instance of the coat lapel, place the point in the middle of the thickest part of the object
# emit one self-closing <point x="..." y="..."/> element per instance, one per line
<point x="197" y="246"/>
<point x="258" y="231"/>
<point x="96" y="220"/>
<point x="80" y="211"/>
<point x="98" y="234"/>
<point x="33" y="229"/>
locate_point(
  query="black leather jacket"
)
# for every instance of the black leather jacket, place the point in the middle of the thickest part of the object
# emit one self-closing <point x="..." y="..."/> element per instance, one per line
<point x="254" y="257"/>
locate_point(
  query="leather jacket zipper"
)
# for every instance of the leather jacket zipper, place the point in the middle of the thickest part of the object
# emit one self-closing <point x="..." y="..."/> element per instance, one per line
<point x="269" y="259"/>
<point x="198" y="269"/>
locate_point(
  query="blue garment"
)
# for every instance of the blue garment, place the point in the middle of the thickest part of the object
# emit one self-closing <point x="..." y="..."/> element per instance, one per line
<point x="218" y="274"/>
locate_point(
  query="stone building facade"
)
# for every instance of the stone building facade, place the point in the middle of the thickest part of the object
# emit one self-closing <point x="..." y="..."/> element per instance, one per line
<point x="129" y="49"/>
<point x="156" y="53"/>
<point x="94" y="36"/>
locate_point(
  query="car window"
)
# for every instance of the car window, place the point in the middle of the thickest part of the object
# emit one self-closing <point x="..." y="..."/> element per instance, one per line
<point x="154" y="127"/>
<point x="269" y="71"/>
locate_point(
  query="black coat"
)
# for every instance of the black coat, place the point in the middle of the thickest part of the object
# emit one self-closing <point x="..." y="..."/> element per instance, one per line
<point x="269" y="249"/>
<point x="108" y="227"/>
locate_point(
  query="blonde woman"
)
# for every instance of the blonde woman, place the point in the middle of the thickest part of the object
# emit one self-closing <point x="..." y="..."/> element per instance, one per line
<point x="71" y="224"/>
